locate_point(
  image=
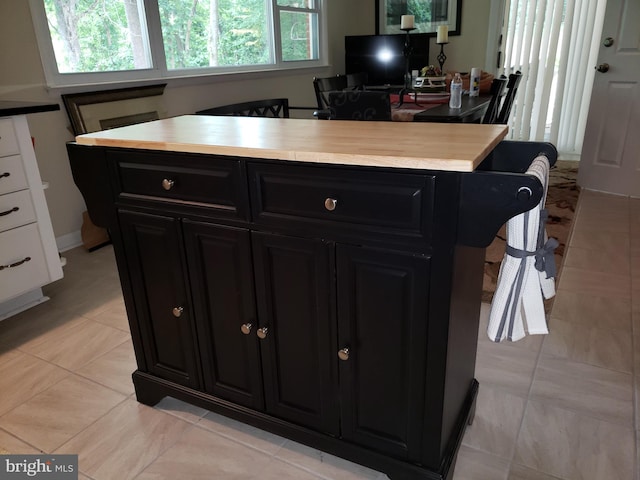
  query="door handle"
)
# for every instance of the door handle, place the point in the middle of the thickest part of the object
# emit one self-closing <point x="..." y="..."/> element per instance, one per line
<point x="603" y="68"/>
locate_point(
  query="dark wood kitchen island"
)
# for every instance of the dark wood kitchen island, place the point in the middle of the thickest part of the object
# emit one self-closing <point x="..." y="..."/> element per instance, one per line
<point x="317" y="279"/>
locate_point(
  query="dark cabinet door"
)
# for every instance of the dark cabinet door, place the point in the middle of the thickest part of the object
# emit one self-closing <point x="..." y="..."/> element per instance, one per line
<point x="154" y="251"/>
<point x="294" y="286"/>
<point x="382" y="317"/>
<point x="221" y="275"/>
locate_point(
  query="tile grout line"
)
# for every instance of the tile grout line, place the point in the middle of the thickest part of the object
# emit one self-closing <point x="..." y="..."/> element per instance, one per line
<point x="526" y="406"/>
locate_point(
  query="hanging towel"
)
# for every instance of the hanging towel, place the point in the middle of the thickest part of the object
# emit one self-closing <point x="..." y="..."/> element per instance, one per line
<point x="527" y="273"/>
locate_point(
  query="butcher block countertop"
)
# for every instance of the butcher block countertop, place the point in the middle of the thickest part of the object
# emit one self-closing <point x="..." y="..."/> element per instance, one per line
<point x="426" y="146"/>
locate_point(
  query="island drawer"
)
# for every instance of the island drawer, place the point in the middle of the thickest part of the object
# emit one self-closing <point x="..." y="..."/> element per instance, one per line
<point x="340" y="200"/>
<point x="12" y="177"/>
<point x="183" y="180"/>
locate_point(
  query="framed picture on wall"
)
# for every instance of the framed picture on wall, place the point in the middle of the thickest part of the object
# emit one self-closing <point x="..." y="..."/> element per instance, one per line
<point x="429" y="15"/>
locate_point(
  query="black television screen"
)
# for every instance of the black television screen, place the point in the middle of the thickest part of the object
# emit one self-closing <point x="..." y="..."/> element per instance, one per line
<point x="382" y="56"/>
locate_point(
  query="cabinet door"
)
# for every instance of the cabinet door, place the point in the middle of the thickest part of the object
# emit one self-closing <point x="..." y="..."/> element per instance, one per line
<point x="382" y="318"/>
<point x="154" y="251"/>
<point x="294" y="286"/>
<point x="221" y="274"/>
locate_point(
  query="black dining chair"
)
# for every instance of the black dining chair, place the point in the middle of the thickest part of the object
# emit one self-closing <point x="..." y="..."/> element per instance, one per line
<point x="507" y="103"/>
<point x="359" y="105"/>
<point x="322" y="87"/>
<point x="497" y="89"/>
<point x="357" y="81"/>
<point x="272" y="107"/>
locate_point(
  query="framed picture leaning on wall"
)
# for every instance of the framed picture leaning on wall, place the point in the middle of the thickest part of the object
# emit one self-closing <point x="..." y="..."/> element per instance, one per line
<point x="429" y="14"/>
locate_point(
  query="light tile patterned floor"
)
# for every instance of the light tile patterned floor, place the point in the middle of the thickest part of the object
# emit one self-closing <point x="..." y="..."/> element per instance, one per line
<point x="559" y="407"/>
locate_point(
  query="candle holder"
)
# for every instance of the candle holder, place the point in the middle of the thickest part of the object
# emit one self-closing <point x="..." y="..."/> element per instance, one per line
<point x="441" y="56"/>
<point x="407" y="72"/>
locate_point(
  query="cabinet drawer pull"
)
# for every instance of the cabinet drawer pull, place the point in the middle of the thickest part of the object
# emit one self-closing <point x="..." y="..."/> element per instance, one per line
<point x="5" y="174"/>
<point x="14" y="209"/>
<point x="16" y="264"/>
<point x="168" y="184"/>
<point x="330" y="204"/>
<point x="262" y="332"/>
<point x="246" y="328"/>
<point x="177" y="311"/>
<point x="343" y="353"/>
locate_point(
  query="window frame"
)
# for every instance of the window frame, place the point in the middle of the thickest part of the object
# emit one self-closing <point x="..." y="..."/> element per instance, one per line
<point x="159" y="70"/>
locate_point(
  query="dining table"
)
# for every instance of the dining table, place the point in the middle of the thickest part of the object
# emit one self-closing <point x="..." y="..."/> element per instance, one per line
<point x="434" y="107"/>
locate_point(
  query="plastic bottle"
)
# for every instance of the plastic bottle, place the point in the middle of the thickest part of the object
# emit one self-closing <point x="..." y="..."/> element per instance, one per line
<point x="455" y="100"/>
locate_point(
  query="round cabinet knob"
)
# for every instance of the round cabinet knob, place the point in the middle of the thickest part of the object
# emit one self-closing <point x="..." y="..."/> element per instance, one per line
<point x="177" y="311"/>
<point x="330" y="204"/>
<point x="343" y="353"/>
<point x="168" y="184"/>
<point x="603" y="68"/>
<point x="246" y="328"/>
<point x="262" y="332"/>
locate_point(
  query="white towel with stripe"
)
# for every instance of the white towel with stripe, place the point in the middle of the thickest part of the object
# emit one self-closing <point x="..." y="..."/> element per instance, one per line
<point x="527" y="273"/>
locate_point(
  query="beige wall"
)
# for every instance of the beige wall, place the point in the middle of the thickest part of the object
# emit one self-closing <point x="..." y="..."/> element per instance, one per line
<point x="22" y="78"/>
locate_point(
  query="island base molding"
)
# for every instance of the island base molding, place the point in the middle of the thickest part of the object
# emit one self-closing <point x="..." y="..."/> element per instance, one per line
<point x="150" y="390"/>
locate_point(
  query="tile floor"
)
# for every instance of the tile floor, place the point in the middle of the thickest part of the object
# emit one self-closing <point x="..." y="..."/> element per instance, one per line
<point x="562" y="406"/>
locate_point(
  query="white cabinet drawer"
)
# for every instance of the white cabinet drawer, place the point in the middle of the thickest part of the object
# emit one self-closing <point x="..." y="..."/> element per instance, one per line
<point x="12" y="176"/>
<point x="8" y="140"/>
<point x="16" y="209"/>
<point x="22" y="261"/>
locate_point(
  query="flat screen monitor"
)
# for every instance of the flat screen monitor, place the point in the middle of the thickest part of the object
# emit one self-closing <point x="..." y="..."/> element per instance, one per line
<point x="382" y="56"/>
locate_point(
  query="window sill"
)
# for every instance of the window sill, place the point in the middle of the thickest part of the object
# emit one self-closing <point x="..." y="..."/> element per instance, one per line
<point x="189" y="79"/>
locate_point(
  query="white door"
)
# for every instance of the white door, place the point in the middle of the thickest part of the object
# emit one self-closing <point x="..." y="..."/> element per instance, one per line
<point x="610" y="160"/>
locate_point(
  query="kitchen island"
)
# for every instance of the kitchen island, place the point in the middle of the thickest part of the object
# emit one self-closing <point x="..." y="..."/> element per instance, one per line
<point x="317" y="279"/>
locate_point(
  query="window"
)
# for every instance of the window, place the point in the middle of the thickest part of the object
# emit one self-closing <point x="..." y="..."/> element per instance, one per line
<point x="96" y="41"/>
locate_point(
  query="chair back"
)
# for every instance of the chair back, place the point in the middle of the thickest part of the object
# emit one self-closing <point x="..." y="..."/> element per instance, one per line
<point x="357" y="81"/>
<point x="497" y="88"/>
<point x="360" y="105"/>
<point x="322" y="87"/>
<point x="272" y="107"/>
<point x="512" y="89"/>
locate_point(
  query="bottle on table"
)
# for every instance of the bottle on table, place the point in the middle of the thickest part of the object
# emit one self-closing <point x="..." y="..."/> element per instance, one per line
<point x="455" y="100"/>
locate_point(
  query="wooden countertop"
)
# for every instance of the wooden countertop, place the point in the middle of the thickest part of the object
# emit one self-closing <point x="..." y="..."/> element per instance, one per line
<point x="428" y="146"/>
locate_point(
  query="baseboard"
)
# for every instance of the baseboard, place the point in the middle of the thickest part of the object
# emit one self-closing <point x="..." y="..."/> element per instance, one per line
<point x="69" y="241"/>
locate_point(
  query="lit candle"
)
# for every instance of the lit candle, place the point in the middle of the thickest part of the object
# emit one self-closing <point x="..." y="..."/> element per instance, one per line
<point x="443" y="34"/>
<point x="407" y="22"/>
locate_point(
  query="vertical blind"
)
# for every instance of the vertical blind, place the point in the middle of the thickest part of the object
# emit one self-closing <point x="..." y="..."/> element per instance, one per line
<point x="554" y="43"/>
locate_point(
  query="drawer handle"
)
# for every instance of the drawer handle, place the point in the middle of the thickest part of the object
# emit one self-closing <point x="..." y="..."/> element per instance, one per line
<point x="5" y="174"/>
<point x="177" y="311"/>
<point x="168" y="184"/>
<point x="262" y="332"/>
<point x="14" y="209"/>
<point x="343" y="354"/>
<point x="330" y="204"/>
<point x="246" y="328"/>
<point x="17" y="264"/>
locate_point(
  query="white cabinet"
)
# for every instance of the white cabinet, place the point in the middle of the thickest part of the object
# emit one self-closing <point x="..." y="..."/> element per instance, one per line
<point x="29" y="256"/>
